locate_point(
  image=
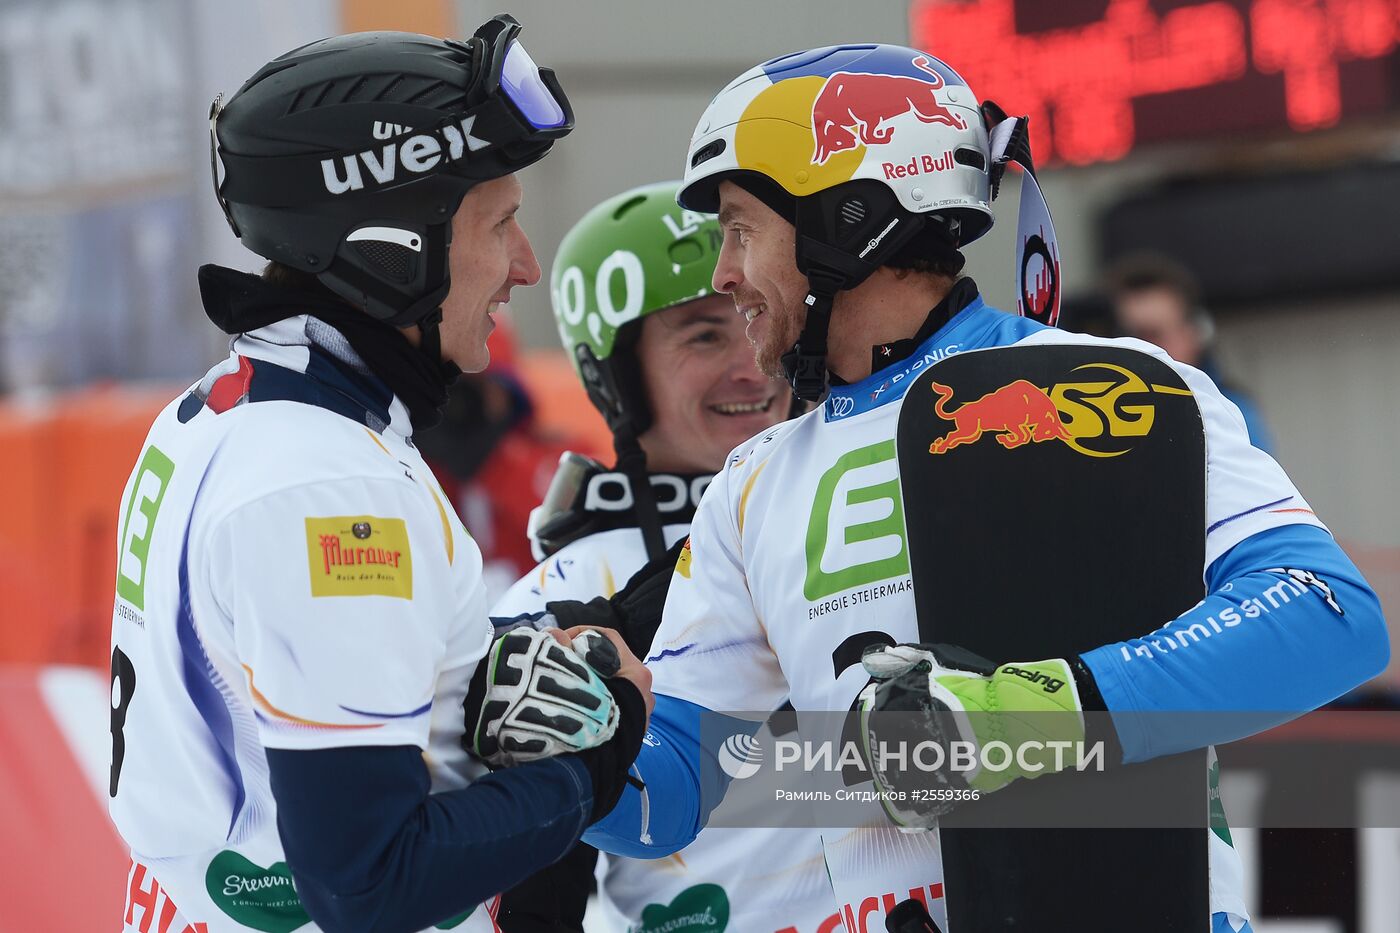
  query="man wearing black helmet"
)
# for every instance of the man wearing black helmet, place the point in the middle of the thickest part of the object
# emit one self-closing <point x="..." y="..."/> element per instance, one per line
<point x="298" y="615"/>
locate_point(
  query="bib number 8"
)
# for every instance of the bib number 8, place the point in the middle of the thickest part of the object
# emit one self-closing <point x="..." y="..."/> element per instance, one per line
<point x="123" y="686"/>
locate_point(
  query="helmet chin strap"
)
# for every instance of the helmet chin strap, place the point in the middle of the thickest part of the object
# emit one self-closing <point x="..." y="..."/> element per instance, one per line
<point x="430" y="327"/>
<point x="804" y="364"/>
<point x="843" y="235"/>
<point x="632" y="463"/>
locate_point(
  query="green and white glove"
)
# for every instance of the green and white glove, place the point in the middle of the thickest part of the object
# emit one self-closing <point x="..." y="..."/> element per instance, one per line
<point x="533" y="698"/>
<point x="989" y="725"/>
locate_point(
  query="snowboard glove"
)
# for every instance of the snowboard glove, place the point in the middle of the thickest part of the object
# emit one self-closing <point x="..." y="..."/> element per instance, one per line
<point x="533" y="698"/>
<point x="609" y="765"/>
<point x="634" y="611"/>
<point x="992" y="724"/>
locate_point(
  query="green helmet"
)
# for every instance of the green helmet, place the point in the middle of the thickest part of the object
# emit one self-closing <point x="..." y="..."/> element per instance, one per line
<point x="632" y="255"/>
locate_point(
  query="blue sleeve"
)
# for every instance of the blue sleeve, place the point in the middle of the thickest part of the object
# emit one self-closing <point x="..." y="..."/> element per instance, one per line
<point x="683" y="782"/>
<point x="370" y="849"/>
<point x="1289" y="624"/>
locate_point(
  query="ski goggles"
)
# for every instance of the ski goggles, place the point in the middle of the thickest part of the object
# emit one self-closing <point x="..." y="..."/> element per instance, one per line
<point x="510" y="72"/>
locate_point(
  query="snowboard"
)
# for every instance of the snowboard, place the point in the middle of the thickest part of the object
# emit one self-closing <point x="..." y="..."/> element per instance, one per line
<point x="1054" y="501"/>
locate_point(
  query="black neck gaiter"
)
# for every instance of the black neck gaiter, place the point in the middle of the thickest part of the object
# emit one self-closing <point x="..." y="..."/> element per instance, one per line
<point x="238" y="302"/>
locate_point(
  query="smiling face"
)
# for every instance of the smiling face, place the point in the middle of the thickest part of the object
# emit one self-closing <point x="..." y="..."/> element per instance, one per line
<point x="757" y="267"/>
<point x="489" y="255"/>
<point x="706" y="395"/>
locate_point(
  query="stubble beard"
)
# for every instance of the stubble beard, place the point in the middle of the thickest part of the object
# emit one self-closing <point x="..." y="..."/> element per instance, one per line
<point x="782" y="334"/>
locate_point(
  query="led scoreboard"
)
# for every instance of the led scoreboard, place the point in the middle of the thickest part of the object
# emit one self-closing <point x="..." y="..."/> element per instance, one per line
<point x="1100" y="77"/>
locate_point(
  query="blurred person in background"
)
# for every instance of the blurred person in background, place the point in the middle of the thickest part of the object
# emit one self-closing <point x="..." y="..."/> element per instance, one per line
<point x="299" y="623"/>
<point x="1158" y="300"/>
<point x="494" y="461"/>
<point x="675" y="378"/>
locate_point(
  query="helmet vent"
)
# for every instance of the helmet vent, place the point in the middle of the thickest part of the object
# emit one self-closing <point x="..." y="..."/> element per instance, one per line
<point x="626" y="207"/>
<point x="852" y="211"/>
<point x="685" y="251"/>
<point x="424" y="92"/>
<point x="965" y="155"/>
<point x="707" y="152"/>
<point x="393" y="85"/>
<point x="321" y="95"/>
<point x="390" y="260"/>
<point x="344" y="90"/>
<point x="354" y="89"/>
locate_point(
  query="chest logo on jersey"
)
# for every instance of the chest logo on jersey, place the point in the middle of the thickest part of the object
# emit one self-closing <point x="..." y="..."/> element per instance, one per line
<point x="147" y="493"/>
<point x="855" y="532"/>
<point x="840" y="405"/>
<point x="359" y="555"/>
<point x="683" y="562"/>
<point x="704" y="907"/>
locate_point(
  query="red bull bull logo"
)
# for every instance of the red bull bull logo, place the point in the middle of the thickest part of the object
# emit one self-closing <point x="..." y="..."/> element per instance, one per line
<point x="1019" y="413"/>
<point x="856" y="109"/>
<point x="1101" y="413"/>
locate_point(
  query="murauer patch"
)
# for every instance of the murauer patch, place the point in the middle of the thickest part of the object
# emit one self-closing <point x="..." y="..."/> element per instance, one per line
<point x="359" y="555"/>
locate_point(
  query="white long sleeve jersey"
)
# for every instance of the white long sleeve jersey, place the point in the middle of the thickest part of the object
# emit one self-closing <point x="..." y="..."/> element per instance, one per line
<point x="798" y="545"/>
<point x="290" y="576"/>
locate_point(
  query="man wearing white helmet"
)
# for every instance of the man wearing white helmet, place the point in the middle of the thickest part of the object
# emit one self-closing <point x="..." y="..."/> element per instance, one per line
<point x="846" y="180"/>
<point x="665" y="361"/>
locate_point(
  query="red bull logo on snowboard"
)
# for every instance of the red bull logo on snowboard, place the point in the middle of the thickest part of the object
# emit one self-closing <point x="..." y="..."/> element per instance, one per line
<point x="1098" y="415"/>
<point x="1019" y="413"/>
<point x="854" y="109"/>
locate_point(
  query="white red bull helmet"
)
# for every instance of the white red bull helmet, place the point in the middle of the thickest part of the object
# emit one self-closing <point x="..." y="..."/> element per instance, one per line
<point x="818" y="119"/>
<point x="876" y="145"/>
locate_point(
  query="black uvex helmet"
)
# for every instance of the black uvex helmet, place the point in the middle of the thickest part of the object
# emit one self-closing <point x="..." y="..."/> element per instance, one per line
<point x="347" y="158"/>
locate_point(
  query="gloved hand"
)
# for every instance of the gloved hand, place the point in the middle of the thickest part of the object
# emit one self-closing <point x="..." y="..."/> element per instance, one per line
<point x="609" y="764"/>
<point x="634" y="611"/>
<point x="532" y="698"/>
<point x="962" y="703"/>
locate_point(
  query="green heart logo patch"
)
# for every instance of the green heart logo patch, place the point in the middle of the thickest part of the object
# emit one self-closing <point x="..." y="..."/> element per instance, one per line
<point x="701" y="909"/>
<point x="257" y="897"/>
<point x="452" y="922"/>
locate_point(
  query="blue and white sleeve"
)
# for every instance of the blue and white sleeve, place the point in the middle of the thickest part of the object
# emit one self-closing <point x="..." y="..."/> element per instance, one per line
<point x="1288" y="624"/>
<point x="682" y="779"/>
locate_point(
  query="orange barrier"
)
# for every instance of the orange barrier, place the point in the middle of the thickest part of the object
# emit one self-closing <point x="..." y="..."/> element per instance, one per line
<point x="432" y="17"/>
<point x="561" y="405"/>
<point x="66" y="461"/>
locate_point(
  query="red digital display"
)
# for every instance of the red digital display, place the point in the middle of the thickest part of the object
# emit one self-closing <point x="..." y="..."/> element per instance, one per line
<point x="1098" y="77"/>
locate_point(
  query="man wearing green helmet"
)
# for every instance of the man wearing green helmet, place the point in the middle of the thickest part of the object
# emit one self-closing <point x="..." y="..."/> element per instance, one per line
<point x="666" y="362"/>
<point x="659" y="355"/>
